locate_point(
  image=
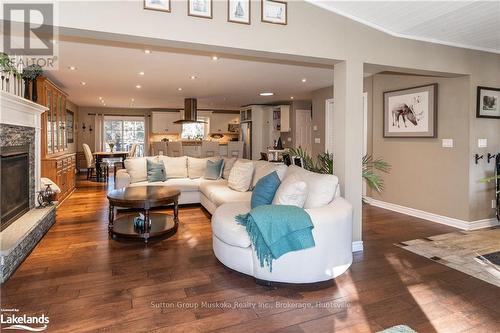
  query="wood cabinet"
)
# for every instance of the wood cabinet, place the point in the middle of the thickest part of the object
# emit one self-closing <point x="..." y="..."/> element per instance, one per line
<point x="61" y="170"/>
<point x="163" y="122"/>
<point x="57" y="164"/>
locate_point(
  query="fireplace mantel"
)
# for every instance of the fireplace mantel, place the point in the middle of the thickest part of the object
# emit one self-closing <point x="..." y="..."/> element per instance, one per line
<point x="18" y="111"/>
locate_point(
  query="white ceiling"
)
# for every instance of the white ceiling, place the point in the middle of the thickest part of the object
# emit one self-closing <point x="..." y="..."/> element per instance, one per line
<point x="467" y="24"/>
<point x="111" y="72"/>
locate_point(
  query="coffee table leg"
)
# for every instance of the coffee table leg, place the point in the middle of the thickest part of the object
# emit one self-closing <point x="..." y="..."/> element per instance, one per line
<point x="176" y="211"/>
<point x="111" y="219"/>
<point x="147" y="226"/>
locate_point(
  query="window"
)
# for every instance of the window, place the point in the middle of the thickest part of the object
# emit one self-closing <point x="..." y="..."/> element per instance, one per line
<point x="123" y="133"/>
<point x="195" y="130"/>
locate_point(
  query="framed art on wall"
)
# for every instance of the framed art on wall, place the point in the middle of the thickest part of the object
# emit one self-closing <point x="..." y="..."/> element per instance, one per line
<point x="161" y="5"/>
<point x="238" y="11"/>
<point x="200" y="8"/>
<point x="273" y="11"/>
<point x="411" y="112"/>
<point x="488" y="103"/>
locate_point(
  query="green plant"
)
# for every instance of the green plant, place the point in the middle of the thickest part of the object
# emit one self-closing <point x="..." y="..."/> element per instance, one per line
<point x="31" y="72"/>
<point x="6" y="65"/>
<point x="324" y="164"/>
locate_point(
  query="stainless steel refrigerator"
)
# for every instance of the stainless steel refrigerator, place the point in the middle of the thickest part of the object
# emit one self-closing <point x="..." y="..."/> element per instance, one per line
<point x="246" y="137"/>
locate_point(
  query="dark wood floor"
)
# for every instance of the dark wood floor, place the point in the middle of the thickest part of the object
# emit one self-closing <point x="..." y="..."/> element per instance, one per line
<point x="87" y="283"/>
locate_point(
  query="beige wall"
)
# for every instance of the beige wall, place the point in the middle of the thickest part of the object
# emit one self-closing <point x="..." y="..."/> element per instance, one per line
<point x="424" y="175"/>
<point x="72" y="147"/>
<point x="318" y="117"/>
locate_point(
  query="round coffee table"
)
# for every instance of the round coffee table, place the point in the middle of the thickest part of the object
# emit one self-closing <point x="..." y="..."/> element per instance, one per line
<point x="143" y="198"/>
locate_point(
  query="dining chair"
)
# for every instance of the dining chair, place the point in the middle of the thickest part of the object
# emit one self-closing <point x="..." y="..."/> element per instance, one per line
<point x="89" y="160"/>
<point x="159" y="148"/>
<point x="174" y="149"/>
<point x="235" y="149"/>
<point x="209" y="148"/>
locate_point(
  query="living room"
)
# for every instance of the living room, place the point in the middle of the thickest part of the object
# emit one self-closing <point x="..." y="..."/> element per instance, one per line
<point x="191" y="129"/>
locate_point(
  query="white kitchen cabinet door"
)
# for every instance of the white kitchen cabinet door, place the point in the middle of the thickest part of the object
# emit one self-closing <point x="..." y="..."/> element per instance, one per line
<point x="163" y="122"/>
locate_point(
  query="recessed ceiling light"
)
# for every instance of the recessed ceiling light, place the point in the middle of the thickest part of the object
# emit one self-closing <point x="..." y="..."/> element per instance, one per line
<point x="291" y="97"/>
<point x="147" y="51"/>
<point x="132" y="99"/>
<point x="180" y="89"/>
<point x="83" y="83"/>
<point x="215" y="58"/>
<point x="100" y="97"/>
<point x="72" y="68"/>
<point x="138" y="86"/>
<point x="266" y="94"/>
<point x="141" y="73"/>
<point x="104" y="104"/>
<point x="192" y="77"/>
<point x="304" y="80"/>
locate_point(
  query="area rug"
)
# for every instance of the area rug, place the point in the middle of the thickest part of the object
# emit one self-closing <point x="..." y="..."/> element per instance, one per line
<point x="398" y="329"/>
<point x="470" y="252"/>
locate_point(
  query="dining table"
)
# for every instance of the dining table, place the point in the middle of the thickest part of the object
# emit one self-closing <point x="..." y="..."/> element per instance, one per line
<point x="100" y="155"/>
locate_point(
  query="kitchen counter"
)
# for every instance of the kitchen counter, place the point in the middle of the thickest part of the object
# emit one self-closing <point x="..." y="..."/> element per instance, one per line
<point x="198" y="143"/>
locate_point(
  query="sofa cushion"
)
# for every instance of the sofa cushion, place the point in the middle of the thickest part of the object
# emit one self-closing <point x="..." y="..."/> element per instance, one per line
<point x="264" y="191"/>
<point x="219" y="193"/>
<point x="183" y="184"/>
<point x="225" y="227"/>
<point x="137" y="169"/>
<point x="214" y="169"/>
<point x="228" y="165"/>
<point x="156" y="171"/>
<point x="196" y="167"/>
<point x="240" y="177"/>
<point x="292" y="191"/>
<point x="263" y="168"/>
<point x="321" y="188"/>
<point x="175" y="167"/>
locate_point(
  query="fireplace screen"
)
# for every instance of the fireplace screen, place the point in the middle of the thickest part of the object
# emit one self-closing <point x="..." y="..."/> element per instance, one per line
<point x="14" y="171"/>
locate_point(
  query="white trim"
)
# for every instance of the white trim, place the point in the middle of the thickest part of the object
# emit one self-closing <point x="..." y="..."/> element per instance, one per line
<point x="357" y="246"/>
<point x="328" y="129"/>
<point x="450" y="221"/>
<point x="399" y="35"/>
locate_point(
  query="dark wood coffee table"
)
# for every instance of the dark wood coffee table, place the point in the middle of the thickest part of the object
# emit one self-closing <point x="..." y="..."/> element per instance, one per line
<point x="143" y="198"/>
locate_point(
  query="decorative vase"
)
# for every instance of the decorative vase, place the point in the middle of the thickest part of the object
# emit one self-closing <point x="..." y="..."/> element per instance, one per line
<point x="27" y="88"/>
<point x="34" y="95"/>
<point x="279" y="145"/>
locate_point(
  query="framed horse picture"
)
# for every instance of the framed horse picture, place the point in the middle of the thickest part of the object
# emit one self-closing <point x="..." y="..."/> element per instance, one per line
<point x="411" y="112"/>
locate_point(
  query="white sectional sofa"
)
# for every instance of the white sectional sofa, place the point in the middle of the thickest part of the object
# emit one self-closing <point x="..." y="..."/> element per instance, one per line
<point x="331" y="216"/>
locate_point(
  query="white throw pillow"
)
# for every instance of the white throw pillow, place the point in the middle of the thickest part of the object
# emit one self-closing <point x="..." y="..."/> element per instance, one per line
<point x="175" y="167"/>
<point x="137" y="169"/>
<point x="196" y="167"/>
<point x="240" y="177"/>
<point x="263" y="168"/>
<point x="228" y="165"/>
<point x="321" y="188"/>
<point x="292" y="191"/>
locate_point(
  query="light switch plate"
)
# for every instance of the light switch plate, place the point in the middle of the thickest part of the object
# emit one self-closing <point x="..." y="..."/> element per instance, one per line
<point x="315" y="128"/>
<point x="317" y="140"/>
<point x="289" y="139"/>
<point x="447" y="143"/>
<point x="482" y="143"/>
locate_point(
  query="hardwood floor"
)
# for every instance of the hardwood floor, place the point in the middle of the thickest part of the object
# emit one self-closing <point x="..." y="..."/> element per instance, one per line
<point x="87" y="283"/>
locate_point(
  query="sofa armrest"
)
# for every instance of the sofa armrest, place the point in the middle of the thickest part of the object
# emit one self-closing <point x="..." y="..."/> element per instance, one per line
<point x="122" y="179"/>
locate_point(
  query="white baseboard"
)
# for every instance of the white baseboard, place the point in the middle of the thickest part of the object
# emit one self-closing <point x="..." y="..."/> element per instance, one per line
<point x="357" y="246"/>
<point x="450" y="221"/>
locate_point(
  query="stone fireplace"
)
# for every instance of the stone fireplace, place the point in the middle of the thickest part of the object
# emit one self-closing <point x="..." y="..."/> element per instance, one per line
<point x="22" y="223"/>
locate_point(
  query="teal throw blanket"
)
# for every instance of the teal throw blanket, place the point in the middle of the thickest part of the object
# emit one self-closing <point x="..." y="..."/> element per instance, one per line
<point x="277" y="229"/>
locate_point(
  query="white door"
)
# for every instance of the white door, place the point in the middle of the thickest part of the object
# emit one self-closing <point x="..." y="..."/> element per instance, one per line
<point x="303" y="129"/>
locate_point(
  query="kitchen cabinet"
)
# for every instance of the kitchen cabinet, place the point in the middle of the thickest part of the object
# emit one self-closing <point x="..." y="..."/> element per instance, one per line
<point x="281" y="118"/>
<point x="61" y="170"/>
<point x="163" y="122"/>
<point x="219" y="122"/>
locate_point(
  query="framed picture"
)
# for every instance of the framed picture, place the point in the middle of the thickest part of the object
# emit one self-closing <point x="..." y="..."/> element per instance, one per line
<point x="200" y="8"/>
<point x="411" y="112"/>
<point x="238" y="11"/>
<point x="488" y="103"/>
<point x="273" y="11"/>
<point x="70" y="126"/>
<point x="161" y="5"/>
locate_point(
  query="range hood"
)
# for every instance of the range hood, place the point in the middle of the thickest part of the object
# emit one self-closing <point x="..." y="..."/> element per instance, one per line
<point x="190" y="112"/>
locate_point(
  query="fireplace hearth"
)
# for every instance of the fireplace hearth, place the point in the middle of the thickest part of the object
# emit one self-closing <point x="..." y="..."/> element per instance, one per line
<point x="14" y="183"/>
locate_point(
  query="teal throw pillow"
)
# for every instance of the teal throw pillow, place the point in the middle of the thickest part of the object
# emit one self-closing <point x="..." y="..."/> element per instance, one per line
<point x="156" y="171"/>
<point x="265" y="189"/>
<point x="214" y="169"/>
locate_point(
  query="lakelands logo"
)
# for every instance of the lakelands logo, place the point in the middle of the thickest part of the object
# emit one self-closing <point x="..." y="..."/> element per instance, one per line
<point x="15" y="321"/>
